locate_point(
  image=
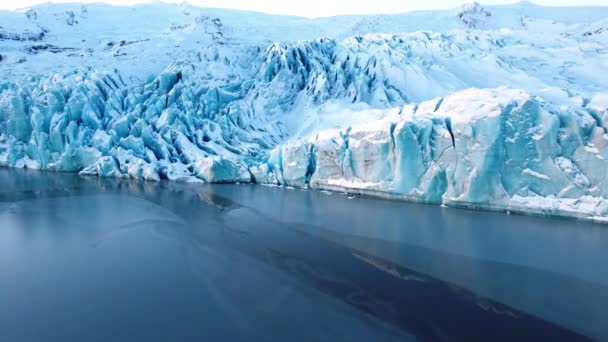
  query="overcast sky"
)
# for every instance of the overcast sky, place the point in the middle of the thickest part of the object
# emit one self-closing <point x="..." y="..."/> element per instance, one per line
<point x="318" y="8"/>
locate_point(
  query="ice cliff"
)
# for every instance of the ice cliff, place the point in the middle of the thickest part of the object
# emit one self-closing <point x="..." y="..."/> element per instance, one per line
<point x="488" y="107"/>
<point x="483" y="148"/>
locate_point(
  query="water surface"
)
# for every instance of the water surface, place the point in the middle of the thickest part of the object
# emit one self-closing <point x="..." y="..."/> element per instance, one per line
<point x="105" y="259"/>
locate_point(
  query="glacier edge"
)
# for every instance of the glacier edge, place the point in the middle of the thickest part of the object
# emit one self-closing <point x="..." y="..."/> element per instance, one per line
<point x="497" y="149"/>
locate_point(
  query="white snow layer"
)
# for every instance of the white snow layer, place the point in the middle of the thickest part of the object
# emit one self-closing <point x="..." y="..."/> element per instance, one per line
<point x="503" y="108"/>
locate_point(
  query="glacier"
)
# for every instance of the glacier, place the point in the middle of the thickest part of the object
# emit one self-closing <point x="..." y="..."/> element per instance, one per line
<point x="500" y="108"/>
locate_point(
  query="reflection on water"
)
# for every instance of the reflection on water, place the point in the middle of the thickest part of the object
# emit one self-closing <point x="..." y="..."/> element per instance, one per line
<point x="101" y="259"/>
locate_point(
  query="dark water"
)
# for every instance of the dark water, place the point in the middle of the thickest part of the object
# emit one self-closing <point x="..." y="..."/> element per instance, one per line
<point x="86" y="259"/>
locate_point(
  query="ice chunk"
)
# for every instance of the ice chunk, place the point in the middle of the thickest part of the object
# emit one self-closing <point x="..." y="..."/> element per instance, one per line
<point x="220" y="170"/>
<point x="104" y="167"/>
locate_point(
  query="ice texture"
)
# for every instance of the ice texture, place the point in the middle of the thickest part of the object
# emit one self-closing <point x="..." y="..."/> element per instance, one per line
<point x="503" y="108"/>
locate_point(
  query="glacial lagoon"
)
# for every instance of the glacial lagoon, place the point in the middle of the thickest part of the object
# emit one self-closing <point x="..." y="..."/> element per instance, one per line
<point x="85" y="258"/>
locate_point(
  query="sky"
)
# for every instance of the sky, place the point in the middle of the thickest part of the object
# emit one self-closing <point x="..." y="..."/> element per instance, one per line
<point x="318" y="8"/>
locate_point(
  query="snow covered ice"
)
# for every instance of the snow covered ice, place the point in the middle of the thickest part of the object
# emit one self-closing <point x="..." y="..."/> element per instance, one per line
<point x="502" y="108"/>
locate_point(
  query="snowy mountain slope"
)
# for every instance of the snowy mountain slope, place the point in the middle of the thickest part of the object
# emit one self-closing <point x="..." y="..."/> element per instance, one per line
<point x="226" y="96"/>
<point x="100" y="35"/>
